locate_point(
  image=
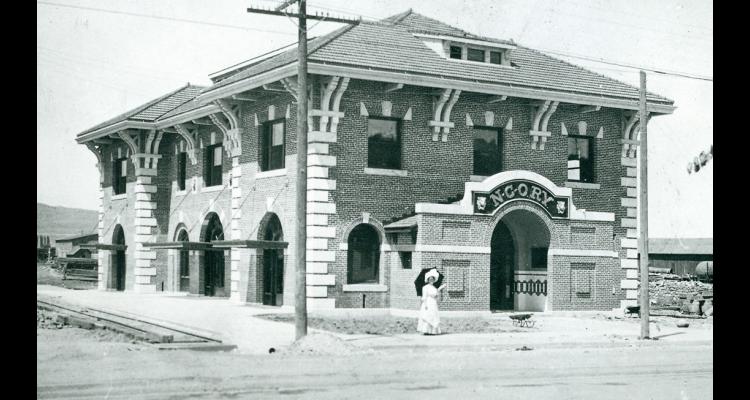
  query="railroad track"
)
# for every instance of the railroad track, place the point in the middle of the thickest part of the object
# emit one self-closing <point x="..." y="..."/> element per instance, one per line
<point x="159" y="334"/>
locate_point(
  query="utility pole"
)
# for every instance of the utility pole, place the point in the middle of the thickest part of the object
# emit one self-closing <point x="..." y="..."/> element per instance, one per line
<point x="643" y="247"/>
<point x="300" y="294"/>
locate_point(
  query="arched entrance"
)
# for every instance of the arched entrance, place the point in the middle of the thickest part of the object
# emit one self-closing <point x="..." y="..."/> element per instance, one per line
<point x="213" y="260"/>
<point x="273" y="263"/>
<point x="518" y="262"/>
<point x="184" y="263"/>
<point x="118" y="260"/>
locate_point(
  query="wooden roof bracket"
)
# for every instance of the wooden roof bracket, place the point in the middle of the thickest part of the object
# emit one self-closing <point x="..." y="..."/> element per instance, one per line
<point x="437" y="121"/>
<point x="233" y="132"/>
<point x="97" y="150"/>
<point x="539" y="132"/>
<point x="187" y="136"/>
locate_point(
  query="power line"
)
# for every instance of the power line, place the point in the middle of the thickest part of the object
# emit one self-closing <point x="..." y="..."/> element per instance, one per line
<point x="632" y="66"/>
<point x="191" y="21"/>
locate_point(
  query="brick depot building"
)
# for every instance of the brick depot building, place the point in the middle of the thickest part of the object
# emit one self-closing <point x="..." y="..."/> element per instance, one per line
<point x="512" y="172"/>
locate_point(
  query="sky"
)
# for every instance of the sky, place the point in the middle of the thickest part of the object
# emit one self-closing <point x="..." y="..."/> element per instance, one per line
<point x="94" y="64"/>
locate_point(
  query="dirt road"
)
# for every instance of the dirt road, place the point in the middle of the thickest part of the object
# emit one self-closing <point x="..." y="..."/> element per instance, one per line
<point x="72" y="363"/>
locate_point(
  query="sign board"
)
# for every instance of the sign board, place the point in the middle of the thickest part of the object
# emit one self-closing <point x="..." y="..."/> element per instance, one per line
<point x="523" y="190"/>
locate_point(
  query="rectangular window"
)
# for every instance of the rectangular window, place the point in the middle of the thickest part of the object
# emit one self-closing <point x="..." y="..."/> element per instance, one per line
<point x="272" y="145"/>
<point x="496" y="57"/>
<point x="181" y="170"/>
<point x="405" y="259"/>
<point x="119" y="175"/>
<point x="487" y="160"/>
<point x="475" y="55"/>
<point x="212" y="167"/>
<point x="456" y="52"/>
<point x="383" y="143"/>
<point x="580" y="159"/>
<point x="539" y="257"/>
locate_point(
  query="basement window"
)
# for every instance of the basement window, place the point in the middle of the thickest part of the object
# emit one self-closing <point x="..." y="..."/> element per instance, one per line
<point x="119" y="175"/>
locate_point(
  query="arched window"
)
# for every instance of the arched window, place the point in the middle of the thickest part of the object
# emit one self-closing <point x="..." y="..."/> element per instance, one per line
<point x="184" y="263"/>
<point x="363" y="255"/>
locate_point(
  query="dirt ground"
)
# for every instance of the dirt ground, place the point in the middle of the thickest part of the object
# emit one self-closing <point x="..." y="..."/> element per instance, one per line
<point x="47" y="276"/>
<point x="76" y="363"/>
<point x="391" y="325"/>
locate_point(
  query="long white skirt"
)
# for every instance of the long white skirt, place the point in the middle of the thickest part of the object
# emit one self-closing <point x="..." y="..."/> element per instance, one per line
<point x="429" y="320"/>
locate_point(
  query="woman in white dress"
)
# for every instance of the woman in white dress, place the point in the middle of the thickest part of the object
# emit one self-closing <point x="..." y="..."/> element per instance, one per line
<point x="429" y="320"/>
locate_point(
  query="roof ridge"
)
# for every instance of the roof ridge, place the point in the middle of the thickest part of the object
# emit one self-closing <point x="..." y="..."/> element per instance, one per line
<point x="593" y="72"/>
<point x="333" y="36"/>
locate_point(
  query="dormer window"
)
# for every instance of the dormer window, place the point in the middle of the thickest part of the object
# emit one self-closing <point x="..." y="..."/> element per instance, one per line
<point x="495" y="52"/>
<point x="496" y="57"/>
<point x="455" y="52"/>
<point x="475" y="55"/>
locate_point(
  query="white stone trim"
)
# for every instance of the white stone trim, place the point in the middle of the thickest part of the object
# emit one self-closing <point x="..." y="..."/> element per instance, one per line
<point x="270" y="173"/>
<point x="316" y="267"/>
<point x="215" y="188"/>
<point x="314" y="303"/>
<point x="582" y="253"/>
<point x="582" y="185"/>
<point x="386" y="172"/>
<point x="361" y="287"/>
<point x="628" y="284"/>
<point x="629" y="263"/>
<point x="477" y="178"/>
<point x="321" y="184"/>
<point x="321" y="280"/>
<point x="317" y="291"/>
<point x="120" y="196"/>
<point x="321" y="208"/>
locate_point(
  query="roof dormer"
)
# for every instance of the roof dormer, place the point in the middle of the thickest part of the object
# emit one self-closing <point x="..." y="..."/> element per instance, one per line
<point x="469" y="49"/>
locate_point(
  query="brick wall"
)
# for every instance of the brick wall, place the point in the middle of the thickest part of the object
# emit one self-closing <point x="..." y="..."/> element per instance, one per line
<point x="435" y="170"/>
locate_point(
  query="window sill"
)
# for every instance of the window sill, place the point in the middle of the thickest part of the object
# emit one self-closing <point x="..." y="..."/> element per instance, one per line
<point x="180" y="192"/>
<point x="271" y="173"/>
<point x="363" y="287"/>
<point x="121" y="196"/>
<point x="477" y="178"/>
<point x="387" y="172"/>
<point x="214" y="188"/>
<point x="582" y="185"/>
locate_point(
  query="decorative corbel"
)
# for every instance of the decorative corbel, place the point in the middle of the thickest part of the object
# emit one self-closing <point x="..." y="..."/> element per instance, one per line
<point x="539" y="130"/>
<point x="628" y="144"/>
<point x="447" y="125"/>
<point x="331" y="91"/>
<point x="97" y="150"/>
<point x="233" y="132"/>
<point x="190" y="143"/>
<point x="132" y="145"/>
<point x="436" y="122"/>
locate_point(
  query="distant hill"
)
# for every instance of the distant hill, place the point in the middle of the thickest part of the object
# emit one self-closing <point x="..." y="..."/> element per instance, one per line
<point x="59" y="222"/>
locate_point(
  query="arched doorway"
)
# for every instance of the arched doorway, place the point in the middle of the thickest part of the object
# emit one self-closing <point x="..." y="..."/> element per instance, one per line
<point x="118" y="260"/>
<point x="184" y="263"/>
<point x="213" y="260"/>
<point x="518" y="262"/>
<point x="273" y="263"/>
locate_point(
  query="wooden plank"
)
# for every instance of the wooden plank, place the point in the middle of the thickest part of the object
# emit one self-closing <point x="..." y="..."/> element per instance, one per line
<point x="180" y="245"/>
<point x="250" y="244"/>
<point x="104" y="246"/>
